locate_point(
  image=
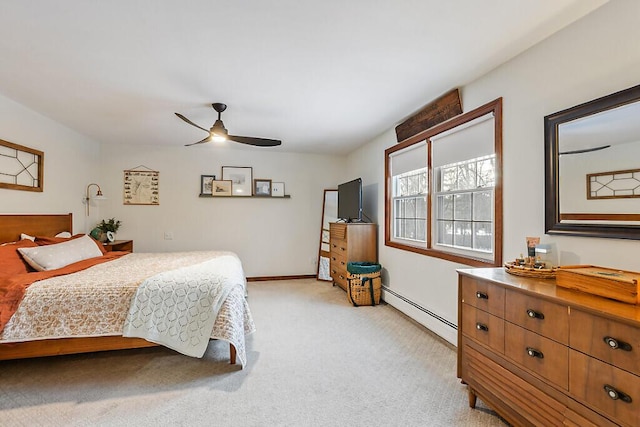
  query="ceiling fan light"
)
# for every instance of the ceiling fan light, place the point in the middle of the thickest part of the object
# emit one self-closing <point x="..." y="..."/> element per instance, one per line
<point x="218" y="138"/>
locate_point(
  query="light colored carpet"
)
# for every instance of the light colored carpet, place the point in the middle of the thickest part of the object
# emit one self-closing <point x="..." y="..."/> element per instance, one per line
<point x="314" y="361"/>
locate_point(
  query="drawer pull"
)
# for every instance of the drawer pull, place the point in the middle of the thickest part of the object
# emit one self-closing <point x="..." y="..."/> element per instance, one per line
<point x="343" y="249"/>
<point x="615" y="344"/>
<point x="482" y="327"/>
<point x="616" y="394"/>
<point x="342" y="262"/>
<point x="481" y="295"/>
<point x="534" y="314"/>
<point x="341" y="276"/>
<point x="535" y="353"/>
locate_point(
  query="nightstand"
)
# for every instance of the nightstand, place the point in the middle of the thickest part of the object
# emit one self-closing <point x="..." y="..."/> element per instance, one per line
<point x="119" y="245"/>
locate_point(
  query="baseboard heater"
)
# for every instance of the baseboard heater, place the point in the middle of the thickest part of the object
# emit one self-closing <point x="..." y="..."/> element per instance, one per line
<point x="421" y="308"/>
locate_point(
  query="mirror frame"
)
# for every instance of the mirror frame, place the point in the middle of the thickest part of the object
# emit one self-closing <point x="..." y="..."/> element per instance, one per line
<point x="552" y="184"/>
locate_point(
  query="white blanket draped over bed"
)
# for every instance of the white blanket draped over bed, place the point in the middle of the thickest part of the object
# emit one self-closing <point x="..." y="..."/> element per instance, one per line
<point x="178" y="308"/>
<point x="97" y="301"/>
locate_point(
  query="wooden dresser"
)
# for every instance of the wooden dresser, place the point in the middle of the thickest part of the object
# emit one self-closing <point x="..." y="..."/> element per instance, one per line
<point x="544" y="355"/>
<point x="349" y="242"/>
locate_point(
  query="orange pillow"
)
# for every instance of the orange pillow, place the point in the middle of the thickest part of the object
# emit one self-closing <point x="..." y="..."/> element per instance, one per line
<point x="11" y="262"/>
<point x="44" y="240"/>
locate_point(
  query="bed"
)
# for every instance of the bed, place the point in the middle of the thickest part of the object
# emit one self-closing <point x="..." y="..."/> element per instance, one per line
<point x="103" y="307"/>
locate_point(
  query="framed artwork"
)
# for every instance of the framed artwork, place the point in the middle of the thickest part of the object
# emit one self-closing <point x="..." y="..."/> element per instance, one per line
<point x="21" y="168"/>
<point x="221" y="188"/>
<point x="241" y="179"/>
<point x="277" y="189"/>
<point x="141" y="187"/>
<point x="262" y="187"/>
<point x="205" y="184"/>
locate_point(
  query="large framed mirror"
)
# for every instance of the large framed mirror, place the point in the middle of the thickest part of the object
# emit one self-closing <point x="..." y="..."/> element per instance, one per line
<point x="592" y="168"/>
<point x="329" y="215"/>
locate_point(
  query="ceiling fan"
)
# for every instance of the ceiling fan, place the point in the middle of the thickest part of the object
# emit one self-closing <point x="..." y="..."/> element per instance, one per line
<point x="219" y="133"/>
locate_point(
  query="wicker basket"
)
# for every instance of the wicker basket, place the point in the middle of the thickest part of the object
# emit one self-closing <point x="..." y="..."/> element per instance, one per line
<point x="360" y="287"/>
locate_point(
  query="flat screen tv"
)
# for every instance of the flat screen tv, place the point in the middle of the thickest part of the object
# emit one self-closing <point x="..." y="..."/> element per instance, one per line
<point x="350" y="201"/>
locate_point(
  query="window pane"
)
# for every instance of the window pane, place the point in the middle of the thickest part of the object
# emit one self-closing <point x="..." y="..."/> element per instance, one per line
<point x="462" y="234"/>
<point x="445" y="232"/>
<point x="421" y="207"/>
<point x="466" y="176"/>
<point x="421" y="230"/>
<point x="483" y="237"/>
<point x="486" y="172"/>
<point x="414" y="185"/>
<point x="462" y="206"/>
<point x="409" y="228"/>
<point x="445" y="207"/>
<point x="448" y="179"/>
<point x="483" y="206"/>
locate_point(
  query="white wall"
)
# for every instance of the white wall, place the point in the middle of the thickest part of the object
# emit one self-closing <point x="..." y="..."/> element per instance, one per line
<point x="273" y="237"/>
<point x="595" y="56"/>
<point x="70" y="161"/>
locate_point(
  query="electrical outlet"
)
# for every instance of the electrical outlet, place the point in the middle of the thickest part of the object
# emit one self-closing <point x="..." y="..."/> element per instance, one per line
<point x="168" y="235"/>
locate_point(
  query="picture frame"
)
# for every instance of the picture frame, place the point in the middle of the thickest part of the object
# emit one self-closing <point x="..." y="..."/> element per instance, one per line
<point x="206" y="184"/>
<point x="241" y="178"/>
<point x="141" y="187"/>
<point x="221" y="188"/>
<point x="262" y="187"/>
<point x="277" y="189"/>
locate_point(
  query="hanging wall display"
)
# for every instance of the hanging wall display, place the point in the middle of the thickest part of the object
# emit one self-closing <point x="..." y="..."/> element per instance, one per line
<point x="141" y="186"/>
<point x="21" y="168"/>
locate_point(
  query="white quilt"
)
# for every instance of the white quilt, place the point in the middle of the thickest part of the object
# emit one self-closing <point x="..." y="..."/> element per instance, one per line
<point x="178" y="308"/>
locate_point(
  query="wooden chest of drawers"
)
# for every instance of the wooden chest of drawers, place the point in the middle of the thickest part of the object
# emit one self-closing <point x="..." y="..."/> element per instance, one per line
<point x="350" y="242"/>
<point x="544" y="355"/>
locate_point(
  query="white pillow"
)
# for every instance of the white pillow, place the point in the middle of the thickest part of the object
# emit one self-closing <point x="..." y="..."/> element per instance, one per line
<point x="27" y="237"/>
<point x="51" y="257"/>
<point x="64" y="234"/>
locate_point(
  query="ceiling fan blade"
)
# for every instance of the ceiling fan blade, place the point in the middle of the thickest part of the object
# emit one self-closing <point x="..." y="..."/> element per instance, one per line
<point x="190" y="122"/>
<point x="207" y="139"/>
<point x="258" y="142"/>
<point x="585" y="150"/>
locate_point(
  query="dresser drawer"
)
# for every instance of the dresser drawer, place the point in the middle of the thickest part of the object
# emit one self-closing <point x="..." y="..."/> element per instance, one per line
<point x="546" y="318"/>
<point x="340" y="279"/>
<point x="600" y="385"/>
<point x="338" y="246"/>
<point x="540" y="355"/>
<point x="605" y="339"/>
<point x="338" y="261"/>
<point x="523" y="404"/>
<point x="483" y="295"/>
<point x="337" y="230"/>
<point x="483" y="327"/>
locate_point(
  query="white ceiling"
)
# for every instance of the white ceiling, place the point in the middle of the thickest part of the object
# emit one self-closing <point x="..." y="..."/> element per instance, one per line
<point x="323" y="76"/>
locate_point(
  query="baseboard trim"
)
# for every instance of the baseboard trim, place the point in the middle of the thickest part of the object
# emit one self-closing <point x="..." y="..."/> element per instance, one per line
<point x="265" y="278"/>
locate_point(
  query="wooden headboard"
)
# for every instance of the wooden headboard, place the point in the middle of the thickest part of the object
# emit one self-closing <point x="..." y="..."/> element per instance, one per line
<point x="11" y="225"/>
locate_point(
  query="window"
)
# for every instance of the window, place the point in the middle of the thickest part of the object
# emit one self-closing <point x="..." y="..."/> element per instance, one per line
<point x="409" y="205"/>
<point x="444" y="190"/>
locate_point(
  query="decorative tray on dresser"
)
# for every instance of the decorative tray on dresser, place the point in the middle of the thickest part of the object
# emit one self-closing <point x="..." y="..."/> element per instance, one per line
<point x="544" y="355"/>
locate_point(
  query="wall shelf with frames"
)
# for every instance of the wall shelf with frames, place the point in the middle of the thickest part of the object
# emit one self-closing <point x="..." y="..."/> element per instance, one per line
<point x="209" y="196"/>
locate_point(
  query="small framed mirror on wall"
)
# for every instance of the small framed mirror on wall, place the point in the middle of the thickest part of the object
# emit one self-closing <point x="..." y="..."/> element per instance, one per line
<point x="329" y="215"/>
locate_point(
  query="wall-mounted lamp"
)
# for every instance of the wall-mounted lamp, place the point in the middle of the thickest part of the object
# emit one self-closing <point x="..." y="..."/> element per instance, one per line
<point x="98" y="196"/>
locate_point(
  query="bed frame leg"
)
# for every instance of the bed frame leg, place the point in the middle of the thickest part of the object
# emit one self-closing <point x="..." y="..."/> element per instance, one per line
<point x="232" y="354"/>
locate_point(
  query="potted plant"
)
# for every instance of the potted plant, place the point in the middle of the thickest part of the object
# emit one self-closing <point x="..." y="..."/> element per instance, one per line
<point x="106" y="230"/>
